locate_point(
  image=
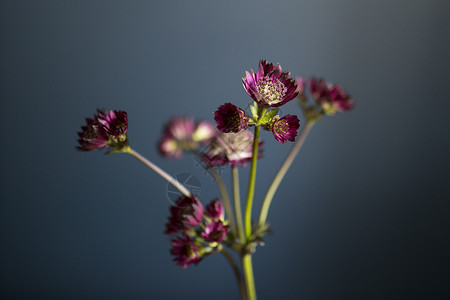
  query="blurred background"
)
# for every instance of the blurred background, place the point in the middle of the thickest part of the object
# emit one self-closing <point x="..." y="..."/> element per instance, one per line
<point x="362" y="214"/>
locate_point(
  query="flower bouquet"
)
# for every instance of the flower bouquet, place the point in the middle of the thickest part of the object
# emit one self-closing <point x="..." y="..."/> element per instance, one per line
<point x="199" y="231"/>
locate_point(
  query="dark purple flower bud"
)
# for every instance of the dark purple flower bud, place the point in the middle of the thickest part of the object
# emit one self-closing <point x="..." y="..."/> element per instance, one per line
<point x="230" y="118"/>
<point x="184" y="215"/>
<point x="285" y="128"/>
<point x="115" y="123"/>
<point x="92" y="136"/>
<point x="215" y="232"/>
<point x="269" y="86"/>
<point x="186" y="252"/>
<point x="232" y="148"/>
<point x="107" y="129"/>
<point x="215" y="210"/>
<point x="181" y="133"/>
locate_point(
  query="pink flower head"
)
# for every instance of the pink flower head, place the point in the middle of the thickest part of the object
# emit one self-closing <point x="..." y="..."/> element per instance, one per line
<point x="332" y="98"/>
<point x="185" y="250"/>
<point x="106" y="129"/>
<point x="231" y="148"/>
<point x="184" y="215"/>
<point x="215" y="210"/>
<point x="215" y="231"/>
<point x="285" y="128"/>
<point x="230" y="118"/>
<point x="182" y="133"/>
<point x="269" y="86"/>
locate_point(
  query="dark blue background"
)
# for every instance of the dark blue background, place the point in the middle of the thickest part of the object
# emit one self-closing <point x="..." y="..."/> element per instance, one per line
<point x="362" y="214"/>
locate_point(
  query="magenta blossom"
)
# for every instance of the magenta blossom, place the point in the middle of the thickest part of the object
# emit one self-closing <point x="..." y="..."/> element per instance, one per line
<point x="269" y="86"/>
<point x="106" y="129"/>
<point x="184" y="215"/>
<point x="230" y="118"/>
<point x="234" y="149"/>
<point x="182" y="133"/>
<point x="215" y="210"/>
<point x="215" y="232"/>
<point x="332" y="98"/>
<point x="285" y="128"/>
<point x="185" y="250"/>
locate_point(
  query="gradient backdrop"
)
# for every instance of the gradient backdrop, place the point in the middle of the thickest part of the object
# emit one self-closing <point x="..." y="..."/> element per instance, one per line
<point x="362" y="214"/>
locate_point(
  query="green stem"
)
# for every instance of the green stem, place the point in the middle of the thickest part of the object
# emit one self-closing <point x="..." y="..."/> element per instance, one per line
<point x="159" y="171"/>
<point x="237" y="273"/>
<point x="282" y="172"/>
<point x="248" y="273"/>
<point x="226" y="199"/>
<point x="251" y="184"/>
<point x="237" y="203"/>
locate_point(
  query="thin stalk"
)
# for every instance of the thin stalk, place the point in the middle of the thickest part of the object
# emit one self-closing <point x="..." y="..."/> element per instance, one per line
<point x="282" y="172"/>
<point x="226" y="199"/>
<point x="248" y="273"/>
<point x="251" y="184"/>
<point x="237" y="273"/>
<point x="237" y="203"/>
<point x="160" y="172"/>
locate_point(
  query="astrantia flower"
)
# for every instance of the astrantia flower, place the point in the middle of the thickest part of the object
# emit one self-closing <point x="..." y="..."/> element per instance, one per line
<point x="215" y="209"/>
<point x="232" y="148"/>
<point x="285" y="128"/>
<point x="215" y="232"/>
<point x="181" y="133"/>
<point x="106" y="129"/>
<point x="185" y="250"/>
<point x="320" y="89"/>
<point x="332" y="98"/>
<point x="269" y="86"/>
<point x="92" y="136"/>
<point x="115" y="123"/>
<point x="184" y="215"/>
<point x="230" y="118"/>
<point x="340" y="100"/>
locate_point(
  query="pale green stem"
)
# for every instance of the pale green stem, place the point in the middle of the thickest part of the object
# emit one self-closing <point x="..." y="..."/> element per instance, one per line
<point x="251" y="184"/>
<point x="282" y="172"/>
<point x="248" y="273"/>
<point x="237" y="273"/>
<point x="226" y="199"/>
<point x="237" y="203"/>
<point x="159" y="171"/>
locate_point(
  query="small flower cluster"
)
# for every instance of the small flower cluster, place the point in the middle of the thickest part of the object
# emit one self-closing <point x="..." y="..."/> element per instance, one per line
<point x="328" y="98"/>
<point x="200" y="230"/>
<point x="105" y="130"/>
<point x="183" y="134"/>
<point x="269" y="87"/>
